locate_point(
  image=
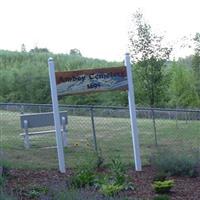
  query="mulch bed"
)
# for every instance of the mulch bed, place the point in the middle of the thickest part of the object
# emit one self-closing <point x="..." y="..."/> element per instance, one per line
<point x="19" y="181"/>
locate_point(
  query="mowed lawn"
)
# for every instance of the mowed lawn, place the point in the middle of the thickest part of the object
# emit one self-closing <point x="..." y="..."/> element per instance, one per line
<point x="113" y="137"/>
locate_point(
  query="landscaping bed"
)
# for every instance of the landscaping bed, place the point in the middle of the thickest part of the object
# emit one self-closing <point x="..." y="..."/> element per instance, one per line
<point x="49" y="184"/>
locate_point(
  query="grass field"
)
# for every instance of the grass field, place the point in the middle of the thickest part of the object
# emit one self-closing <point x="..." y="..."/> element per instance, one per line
<point x="113" y="139"/>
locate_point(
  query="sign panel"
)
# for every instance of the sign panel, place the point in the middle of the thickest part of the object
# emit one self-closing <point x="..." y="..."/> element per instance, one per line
<point x="91" y="80"/>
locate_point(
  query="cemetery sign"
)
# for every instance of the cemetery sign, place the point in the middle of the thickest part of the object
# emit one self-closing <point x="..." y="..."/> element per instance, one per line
<point x="91" y="80"/>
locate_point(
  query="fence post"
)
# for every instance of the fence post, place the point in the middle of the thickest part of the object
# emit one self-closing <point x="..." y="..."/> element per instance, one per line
<point x="40" y="110"/>
<point x="93" y="130"/>
<point x="176" y="119"/>
<point x="64" y="131"/>
<point x="154" y="126"/>
<point x="26" y="136"/>
<point x="186" y="117"/>
<point x="22" y="109"/>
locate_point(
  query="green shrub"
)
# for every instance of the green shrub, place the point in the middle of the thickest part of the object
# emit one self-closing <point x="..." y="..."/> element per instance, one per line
<point x="163" y="186"/>
<point x="110" y="189"/>
<point x="117" y="181"/>
<point x="176" y="163"/>
<point x="118" y="171"/>
<point x="82" y="178"/>
<point x="36" y="191"/>
<point x="161" y="197"/>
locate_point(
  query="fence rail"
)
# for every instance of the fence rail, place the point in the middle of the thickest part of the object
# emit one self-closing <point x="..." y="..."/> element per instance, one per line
<point x="98" y="130"/>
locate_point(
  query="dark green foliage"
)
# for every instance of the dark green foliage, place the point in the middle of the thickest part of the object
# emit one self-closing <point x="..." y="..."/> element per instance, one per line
<point x="117" y="181"/>
<point x="24" y="78"/>
<point x="196" y="62"/>
<point x="147" y="49"/>
<point x="176" y="163"/>
<point x="82" y="178"/>
<point x="160" y="176"/>
<point x="110" y="189"/>
<point x="161" y="197"/>
<point x="163" y="186"/>
<point x="118" y="171"/>
<point x="39" y="50"/>
<point x="36" y="191"/>
<point x="108" y="184"/>
<point x="182" y="89"/>
<point x="75" y="52"/>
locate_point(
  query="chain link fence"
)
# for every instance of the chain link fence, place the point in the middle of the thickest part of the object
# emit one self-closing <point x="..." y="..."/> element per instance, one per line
<point x="97" y="132"/>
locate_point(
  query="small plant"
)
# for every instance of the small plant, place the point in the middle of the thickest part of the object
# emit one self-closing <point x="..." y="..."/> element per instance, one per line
<point x="35" y="191"/>
<point x="118" y="171"/>
<point x="33" y="194"/>
<point x="110" y="189"/>
<point x="163" y="186"/>
<point x="112" y="184"/>
<point x="83" y="178"/>
<point x="161" y="197"/>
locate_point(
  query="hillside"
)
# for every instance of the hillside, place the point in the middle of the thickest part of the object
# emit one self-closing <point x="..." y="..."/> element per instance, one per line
<point x="24" y="77"/>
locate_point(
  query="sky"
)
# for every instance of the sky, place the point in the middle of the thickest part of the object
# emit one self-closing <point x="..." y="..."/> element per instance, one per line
<point x="98" y="28"/>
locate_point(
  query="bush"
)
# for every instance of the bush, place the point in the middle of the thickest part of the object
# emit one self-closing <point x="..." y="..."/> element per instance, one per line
<point x="117" y="181"/>
<point x="163" y="186"/>
<point x="84" y="177"/>
<point x="35" y="191"/>
<point x="176" y="163"/>
<point x="118" y="171"/>
<point x="111" y="189"/>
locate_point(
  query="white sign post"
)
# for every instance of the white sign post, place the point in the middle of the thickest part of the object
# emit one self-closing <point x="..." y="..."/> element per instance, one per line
<point x="54" y="98"/>
<point x="132" y="110"/>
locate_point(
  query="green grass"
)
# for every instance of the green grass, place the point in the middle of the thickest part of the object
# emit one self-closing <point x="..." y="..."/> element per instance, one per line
<point x="113" y="139"/>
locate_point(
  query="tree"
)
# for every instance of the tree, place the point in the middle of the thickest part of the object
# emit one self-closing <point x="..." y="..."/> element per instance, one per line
<point x="39" y="50"/>
<point x="196" y="62"/>
<point x="75" y="52"/>
<point x="147" y="50"/>
<point x="182" y="86"/>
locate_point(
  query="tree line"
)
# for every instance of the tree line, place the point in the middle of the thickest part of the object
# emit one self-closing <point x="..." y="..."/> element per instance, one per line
<point x="24" y="78"/>
<point x="158" y="81"/>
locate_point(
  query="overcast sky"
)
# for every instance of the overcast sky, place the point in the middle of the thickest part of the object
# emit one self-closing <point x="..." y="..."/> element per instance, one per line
<point x="98" y="28"/>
